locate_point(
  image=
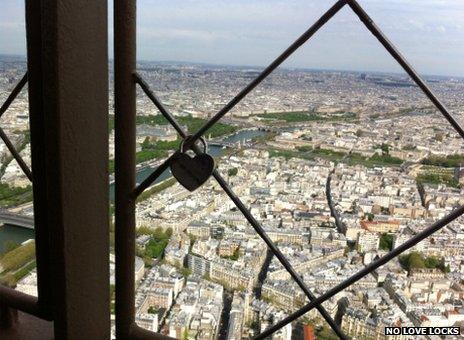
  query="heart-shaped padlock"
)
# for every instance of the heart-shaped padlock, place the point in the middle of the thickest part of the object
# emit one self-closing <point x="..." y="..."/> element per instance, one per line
<point x="192" y="172"/>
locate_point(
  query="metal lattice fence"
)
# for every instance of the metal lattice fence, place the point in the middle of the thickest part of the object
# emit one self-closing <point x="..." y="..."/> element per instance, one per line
<point x="190" y="140"/>
<point x="14" y="93"/>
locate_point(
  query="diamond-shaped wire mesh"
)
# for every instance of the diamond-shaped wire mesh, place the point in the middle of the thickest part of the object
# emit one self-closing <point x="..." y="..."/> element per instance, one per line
<point x="239" y="204"/>
<point x="14" y="93"/>
<point x="315" y="302"/>
<point x="190" y="142"/>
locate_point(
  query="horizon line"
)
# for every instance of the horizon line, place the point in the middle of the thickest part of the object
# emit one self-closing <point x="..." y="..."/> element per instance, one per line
<point x="346" y="70"/>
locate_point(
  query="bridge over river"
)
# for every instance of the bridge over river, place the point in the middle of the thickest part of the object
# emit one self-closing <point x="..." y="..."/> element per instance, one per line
<point x="17" y="220"/>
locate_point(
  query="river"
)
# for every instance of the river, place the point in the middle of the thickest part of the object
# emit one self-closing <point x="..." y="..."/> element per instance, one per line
<point x="13" y="234"/>
<point x="19" y="235"/>
<point x="239" y="137"/>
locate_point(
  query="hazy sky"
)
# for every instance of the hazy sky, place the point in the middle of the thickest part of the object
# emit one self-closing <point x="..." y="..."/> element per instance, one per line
<point x="430" y="33"/>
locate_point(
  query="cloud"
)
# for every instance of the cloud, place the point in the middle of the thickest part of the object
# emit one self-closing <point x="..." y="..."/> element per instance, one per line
<point x="252" y="32"/>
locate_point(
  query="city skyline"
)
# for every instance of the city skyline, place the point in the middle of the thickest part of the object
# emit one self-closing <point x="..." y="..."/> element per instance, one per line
<point x="328" y="198"/>
<point x="337" y="168"/>
<point x="16" y="57"/>
<point x="252" y="34"/>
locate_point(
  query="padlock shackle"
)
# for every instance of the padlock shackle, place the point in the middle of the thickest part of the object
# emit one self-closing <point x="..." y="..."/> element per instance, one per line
<point x="186" y="139"/>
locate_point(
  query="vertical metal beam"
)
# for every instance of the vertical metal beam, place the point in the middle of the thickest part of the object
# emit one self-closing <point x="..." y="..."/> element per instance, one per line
<point x="125" y="112"/>
<point x="38" y="155"/>
<point x="73" y="51"/>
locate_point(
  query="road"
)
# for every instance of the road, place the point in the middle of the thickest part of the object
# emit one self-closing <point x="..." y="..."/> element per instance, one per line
<point x="224" y="325"/>
<point x="333" y="211"/>
<point x="262" y="274"/>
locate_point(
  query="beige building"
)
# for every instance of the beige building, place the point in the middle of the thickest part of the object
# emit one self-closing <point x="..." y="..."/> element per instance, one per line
<point x="407" y="212"/>
<point x="301" y="267"/>
<point x="283" y="295"/>
<point x="199" y="230"/>
<point x="235" y="278"/>
<point x="357" y="324"/>
<point x="382" y="227"/>
<point x="367" y="241"/>
<point x="158" y="298"/>
<point x="285" y="236"/>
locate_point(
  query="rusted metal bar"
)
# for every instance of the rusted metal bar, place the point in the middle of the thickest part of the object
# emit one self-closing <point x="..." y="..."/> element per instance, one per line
<point x="14" y="93"/>
<point x="316" y="302"/>
<point x="155" y="100"/>
<point x="281" y="257"/>
<point x="170" y="118"/>
<point x="35" y="60"/>
<point x="22" y="164"/>
<point x="14" y="299"/>
<point x="125" y="132"/>
<point x="153" y="177"/>
<point x="254" y="223"/>
<point x="366" y="270"/>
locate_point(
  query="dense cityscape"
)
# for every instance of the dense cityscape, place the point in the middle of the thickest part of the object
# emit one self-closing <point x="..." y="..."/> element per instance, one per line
<point x="338" y="167"/>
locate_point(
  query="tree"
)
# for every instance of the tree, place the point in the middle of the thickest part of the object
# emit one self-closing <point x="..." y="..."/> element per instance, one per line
<point x="386" y="242"/>
<point x="158" y="233"/>
<point x="370" y="217"/>
<point x="416" y="261"/>
<point x="307" y="136"/>
<point x="157" y="244"/>
<point x="144" y="230"/>
<point x="432" y="262"/>
<point x="234" y="256"/>
<point x="193" y="239"/>
<point x="233" y="172"/>
<point x="185" y="271"/>
<point x="18" y="257"/>
<point x="412" y="260"/>
<point x="146" y="144"/>
<point x="152" y="310"/>
<point x="112" y="291"/>
<point x="305" y="148"/>
<point x="444" y="268"/>
<point x="385" y="148"/>
<point x="155" y="248"/>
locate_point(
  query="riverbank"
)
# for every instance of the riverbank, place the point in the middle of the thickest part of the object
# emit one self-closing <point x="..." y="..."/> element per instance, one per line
<point x="11" y="235"/>
<point x="146" y="169"/>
